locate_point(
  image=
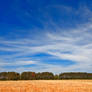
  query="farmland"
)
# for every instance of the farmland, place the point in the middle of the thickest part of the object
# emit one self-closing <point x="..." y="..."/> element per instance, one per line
<point x="46" y="86"/>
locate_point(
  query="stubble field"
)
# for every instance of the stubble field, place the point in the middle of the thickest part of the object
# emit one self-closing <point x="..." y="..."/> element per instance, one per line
<point x="46" y="86"/>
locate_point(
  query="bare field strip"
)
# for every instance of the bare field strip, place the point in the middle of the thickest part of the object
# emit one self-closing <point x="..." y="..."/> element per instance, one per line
<point x="46" y="86"/>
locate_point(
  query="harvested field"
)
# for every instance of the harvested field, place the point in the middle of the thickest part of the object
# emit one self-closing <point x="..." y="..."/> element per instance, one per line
<point x="46" y="86"/>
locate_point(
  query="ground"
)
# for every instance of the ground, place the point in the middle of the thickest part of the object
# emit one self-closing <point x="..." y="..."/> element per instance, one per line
<point x="46" y="86"/>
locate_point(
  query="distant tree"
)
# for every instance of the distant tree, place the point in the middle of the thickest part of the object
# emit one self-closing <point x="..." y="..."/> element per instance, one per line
<point x="75" y="75"/>
<point x="89" y="76"/>
<point x="38" y="76"/>
<point x="13" y="76"/>
<point x="56" y="77"/>
<point x="9" y="76"/>
<point x="28" y="76"/>
<point x="45" y="76"/>
<point x="3" y="76"/>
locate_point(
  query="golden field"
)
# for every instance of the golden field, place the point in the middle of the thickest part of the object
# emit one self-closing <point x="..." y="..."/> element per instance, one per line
<point x="46" y="86"/>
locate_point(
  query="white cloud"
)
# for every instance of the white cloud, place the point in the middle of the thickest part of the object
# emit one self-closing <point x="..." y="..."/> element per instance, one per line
<point x="74" y="44"/>
<point x="17" y="63"/>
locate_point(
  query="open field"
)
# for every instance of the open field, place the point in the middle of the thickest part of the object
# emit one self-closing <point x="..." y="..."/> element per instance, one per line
<point x="46" y="86"/>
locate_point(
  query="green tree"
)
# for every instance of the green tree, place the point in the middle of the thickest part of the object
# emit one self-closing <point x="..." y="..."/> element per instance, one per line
<point x="28" y="76"/>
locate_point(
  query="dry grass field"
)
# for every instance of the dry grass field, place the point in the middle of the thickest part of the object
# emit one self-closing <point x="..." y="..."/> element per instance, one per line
<point x="46" y="86"/>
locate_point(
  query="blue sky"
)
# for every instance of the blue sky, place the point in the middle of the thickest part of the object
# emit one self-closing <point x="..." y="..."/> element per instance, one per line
<point x="46" y="35"/>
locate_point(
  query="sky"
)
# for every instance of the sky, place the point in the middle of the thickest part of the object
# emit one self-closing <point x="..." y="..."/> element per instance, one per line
<point x="46" y="35"/>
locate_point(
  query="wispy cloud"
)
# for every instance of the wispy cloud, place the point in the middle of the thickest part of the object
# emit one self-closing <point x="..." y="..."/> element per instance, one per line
<point x="63" y="43"/>
<point x="74" y="45"/>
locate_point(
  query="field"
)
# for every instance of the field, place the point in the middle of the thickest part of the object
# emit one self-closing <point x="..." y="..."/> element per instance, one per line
<point x="46" y="86"/>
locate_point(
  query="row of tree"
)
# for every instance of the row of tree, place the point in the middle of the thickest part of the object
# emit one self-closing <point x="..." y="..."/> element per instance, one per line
<point x="43" y="76"/>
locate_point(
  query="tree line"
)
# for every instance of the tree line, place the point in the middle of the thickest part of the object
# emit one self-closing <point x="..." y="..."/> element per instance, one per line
<point x="43" y="76"/>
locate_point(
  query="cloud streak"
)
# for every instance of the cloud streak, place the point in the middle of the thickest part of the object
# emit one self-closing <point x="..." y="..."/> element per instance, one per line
<point x="74" y="45"/>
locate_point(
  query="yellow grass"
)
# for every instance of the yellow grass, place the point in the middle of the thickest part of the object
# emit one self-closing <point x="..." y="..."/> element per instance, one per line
<point x="46" y="86"/>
